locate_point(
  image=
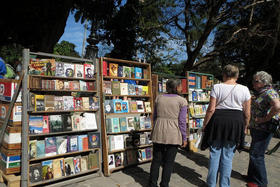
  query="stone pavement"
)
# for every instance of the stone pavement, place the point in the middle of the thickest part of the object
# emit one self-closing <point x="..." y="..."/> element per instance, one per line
<point x="190" y="169"/>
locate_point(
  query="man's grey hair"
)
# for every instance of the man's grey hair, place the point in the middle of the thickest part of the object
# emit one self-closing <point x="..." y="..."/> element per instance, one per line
<point x="264" y="77"/>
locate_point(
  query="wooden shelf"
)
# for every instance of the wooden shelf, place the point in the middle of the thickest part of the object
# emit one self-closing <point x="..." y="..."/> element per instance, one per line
<point x="63" y="178"/>
<point x="109" y="95"/>
<point x="61" y="133"/>
<point x="126" y="132"/>
<point x="129" y="148"/>
<point x="49" y="90"/>
<point x="126" y="62"/>
<point x="126" y="78"/>
<point x="60" y="111"/>
<point x="65" y="78"/>
<point x="109" y="114"/>
<point x="61" y="155"/>
<point x="123" y="166"/>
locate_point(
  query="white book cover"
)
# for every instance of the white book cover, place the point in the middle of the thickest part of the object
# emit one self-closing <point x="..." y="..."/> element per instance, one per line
<point x="130" y="123"/>
<point x="142" y="122"/>
<point x="68" y="102"/>
<point x="124" y="88"/>
<point x="88" y="121"/>
<point x="140" y="106"/>
<point x="79" y="71"/>
<point x="69" y="70"/>
<point x="119" y="143"/>
<point x="111" y="161"/>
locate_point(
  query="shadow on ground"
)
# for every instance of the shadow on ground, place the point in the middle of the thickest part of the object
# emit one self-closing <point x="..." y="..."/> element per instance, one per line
<point x="140" y="175"/>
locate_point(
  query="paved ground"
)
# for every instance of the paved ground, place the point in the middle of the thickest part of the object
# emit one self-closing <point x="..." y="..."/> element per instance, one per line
<point x="190" y="170"/>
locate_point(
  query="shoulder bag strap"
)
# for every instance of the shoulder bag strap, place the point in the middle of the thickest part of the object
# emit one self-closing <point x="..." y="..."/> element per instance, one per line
<point x="226" y="96"/>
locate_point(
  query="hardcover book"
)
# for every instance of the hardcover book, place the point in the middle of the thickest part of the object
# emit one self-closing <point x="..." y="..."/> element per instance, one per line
<point x="79" y="71"/>
<point x="115" y="125"/>
<point x="85" y="101"/>
<point x="109" y="106"/>
<point x="40" y="147"/>
<point x="89" y="71"/>
<point x="140" y="106"/>
<point x="83" y="85"/>
<point x="39" y="103"/>
<point x="68" y="102"/>
<point x="77" y="164"/>
<point x="93" y="140"/>
<point x="58" y="103"/>
<point x="50" y="146"/>
<point x="148" y="153"/>
<point x="136" y="123"/>
<point x="50" y="68"/>
<point x="90" y="86"/>
<point x="116" y="88"/>
<point x="142" y="122"/>
<point x="61" y="144"/>
<point x="66" y="85"/>
<point x="73" y="143"/>
<point x="69" y="166"/>
<point x="59" y="85"/>
<point x="131" y="89"/>
<point x="93" y="103"/>
<point x="88" y="121"/>
<point x="36" y="124"/>
<point x="74" y="85"/>
<point x="56" y="123"/>
<point x="148" y="122"/>
<point x="125" y="106"/>
<point x="31" y="102"/>
<point x="126" y="71"/>
<point x="80" y="142"/>
<point x="47" y="169"/>
<point x="113" y="69"/>
<point x="49" y="102"/>
<point x="117" y="105"/>
<point x="38" y="66"/>
<point x="35" y="173"/>
<point x="109" y="127"/>
<point x="132" y="72"/>
<point x="133" y="106"/>
<point x="123" y="124"/>
<point x="130" y="123"/>
<point x="76" y="121"/>
<point x="138" y="72"/>
<point x="78" y="103"/>
<point x="145" y="74"/>
<point x="105" y="68"/>
<point x="118" y="159"/>
<point x="93" y="160"/>
<point x="147" y="106"/>
<point x="84" y="163"/>
<point x="59" y="69"/>
<point x="107" y="85"/>
<point x="145" y="90"/>
<point x="66" y="122"/>
<point x="120" y="71"/>
<point x="46" y="127"/>
<point x="57" y="168"/>
<point x="32" y="149"/>
<point x="111" y="161"/>
<point x="69" y="70"/>
<point x="123" y="88"/>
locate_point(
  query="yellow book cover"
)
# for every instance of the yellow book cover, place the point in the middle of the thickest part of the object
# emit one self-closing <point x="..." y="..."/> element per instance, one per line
<point x="145" y="90"/>
<point x="57" y="168"/>
<point x="113" y="69"/>
<point x="39" y="103"/>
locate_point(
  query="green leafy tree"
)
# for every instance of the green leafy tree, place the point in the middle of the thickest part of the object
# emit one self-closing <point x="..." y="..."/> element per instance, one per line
<point x="65" y="48"/>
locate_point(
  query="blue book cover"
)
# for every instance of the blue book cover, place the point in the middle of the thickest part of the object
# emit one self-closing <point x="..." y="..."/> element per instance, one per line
<point x="117" y="105"/>
<point x="36" y="124"/>
<point x="73" y="143"/>
<point x="80" y="141"/>
<point x="138" y="72"/>
<point x="115" y="125"/>
<point x="120" y="71"/>
<point x="40" y="148"/>
<point x="125" y="106"/>
<point x="93" y="140"/>
<point x="123" y="124"/>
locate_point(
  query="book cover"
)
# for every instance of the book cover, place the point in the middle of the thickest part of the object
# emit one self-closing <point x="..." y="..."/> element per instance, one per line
<point x="130" y="123"/>
<point x="117" y="105"/>
<point x="80" y="142"/>
<point x="59" y="69"/>
<point x="36" y="124"/>
<point x="107" y="85"/>
<point x="94" y="103"/>
<point x="61" y="144"/>
<point x="148" y="137"/>
<point x="50" y="146"/>
<point x="136" y="123"/>
<point x="142" y="139"/>
<point x="132" y="72"/>
<point x="56" y="123"/>
<point x="143" y="152"/>
<point x="35" y="173"/>
<point x="113" y="69"/>
<point x="148" y="122"/>
<point x="109" y="106"/>
<point x="69" y="166"/>
<point x="120" y="71"/>
<point x="39" y="103"/>
<point x="123" y="124"/>
<point x="115" y="125"/>
<point x="78" y="103"/>
<point x="88" y="121"/>
<point x="89" y="71"/>
<point x="40" y="148"/>
<point x="126" y="71"/>
<point x="58" y="103"/>
<point x="93" y="140"/>
<point x="83" y="85"/>
<point x="123" y="88"/>
<point x="49" y="102"/>
<point x="68" y="102"/>
<point x="105" y="68"/>
<point x="73" y="143"/>
<point x="76" y="121"/>
<point x="84" y="163"/>
<point x="32" y="149"/>
<point x="50" y="67"/>
<point x="59" y="85"/>
<point x="198" y="82"/>
<point x="31" y="102"/>
<point x="131" y="89"/>
<point x="111" y="161"/>
<point x="142" y="122"/>
<point x="138" y="72"/>
<point x="85" y="143"/>
<point x="139" y="155"/>
<point x="109" y="127"/>
<point x="46" y="127"/>
<point x="184" y="85"/>
<point x="85" y="101"/>
<point x="37" y="66"/>
<point x="90" y="86"/>
<point x="66" y="122"/>
<point x="140" y="106"/>
<point x="47" y="169"/>
<point x="79" y="71"/>
<point x="57" y="168"/>
<point x="145" y="74"/>
<point x="118" y="159"/>
<point x="62" y="166"/>
<point x="93" y="160"/>
<point x="77" y="164"/>
<point x="69" y="70"/>
<point x="147" y="106"/>
<point x="133" y="106"/>
<point x="145" y="90"/>
<point x="66" y="85"/>
<point x="125" y="106"/>
<point x="148" y="153"/>
<point x="140" y="90"/>
<point x="116" y="88"/>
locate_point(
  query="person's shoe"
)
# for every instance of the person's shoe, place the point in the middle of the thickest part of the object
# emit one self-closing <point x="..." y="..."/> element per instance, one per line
<point x="251" y="184"/>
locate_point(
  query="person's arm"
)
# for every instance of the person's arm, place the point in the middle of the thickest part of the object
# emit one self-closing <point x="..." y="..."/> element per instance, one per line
<point x="247" y="114"/>
<point x="210" y="111"/>
<point x="183" y="124"/>
<point x="275" y="109"/>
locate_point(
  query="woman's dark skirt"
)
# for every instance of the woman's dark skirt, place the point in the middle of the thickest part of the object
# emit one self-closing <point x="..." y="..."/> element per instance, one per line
<point x="225" y="125"/>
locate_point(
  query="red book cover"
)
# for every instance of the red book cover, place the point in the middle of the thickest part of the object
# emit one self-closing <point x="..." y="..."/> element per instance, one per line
<point x="90" y="85"/>
<point x="78" y="103"/>
<point x="203" y="81"/>
<point x="105" y="68"/>
<point x="85" y="143"/>
<point x="46" y="128"/>
<point x="184" y="85"/>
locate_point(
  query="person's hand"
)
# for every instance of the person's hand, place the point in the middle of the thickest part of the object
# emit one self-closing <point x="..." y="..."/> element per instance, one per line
<point x="246" y="129"/>
<point x="185" y="143"/>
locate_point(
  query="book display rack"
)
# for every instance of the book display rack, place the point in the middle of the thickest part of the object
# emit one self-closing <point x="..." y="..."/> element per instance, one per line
<point x="61" y="119"/>
<point x="126" y="113"/>
<point x="199" y="86"/>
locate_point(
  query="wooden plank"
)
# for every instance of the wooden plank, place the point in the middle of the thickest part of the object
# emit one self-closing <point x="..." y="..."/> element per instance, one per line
<point x="126" y="61"/>
<point x="10" y="180"/>
<point x="67" y="78"/>
<point x="126" y="78"/>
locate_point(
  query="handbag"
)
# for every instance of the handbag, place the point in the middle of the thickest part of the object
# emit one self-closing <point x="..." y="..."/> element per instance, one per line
<point x="273" y="125"/>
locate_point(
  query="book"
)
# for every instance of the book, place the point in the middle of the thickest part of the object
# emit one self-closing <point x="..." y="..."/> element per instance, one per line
<point x="123" y="124"/>
<point x="131" y="156"/>
<point x="184" y="85"/>
<point x="94" y="103"/>
<point x="58" y="103"/>
<point x="56" y="123"/>
<point x="50" y="68"/>
<point x="115" y="125"/>
<point x="47" y="169"/>
<point x="84" y="163"/>
<point x="36" y="124"/>
<point x="90" y="85"/>
<point x="79" y="71"/>
<point x="76" y="121"/>
<point x="61" y="144"/>
<point x="38" y="66"/>
<point x="145" y="74"/>
<point x="74" y="85"/>
<point x="140" y="106"/>
<point x="66" y="85"/>
<point x="120" y="71"/>
<point x="85" y="101"/>
<point x="80" y="142"/>
<point x="130" y="123"/>
<point x="125" y="106"/>
<point x="148" y="137"/>
<point x="123" y="88"/>
<point x="39" y="103"/>
<point x="57" y="168"/>
<point x="59" y="69"/>
<point x="117" y="105"/>
<point x="142" y="122"/>
<point x="72" y="143"/>
<point x="85" y="143"/>
<point x="145" y="90"/>
<point x="78" y="103"/>
<point x="89" y="71"/>
<point x="49" y="102"/>
<point x="46" y="127"/>
<point x="59" y="85"/>
<point x="109" y="127"/>
<point x="83" y="85"/>
<point x="40" y="148"/>
<point x="69" y="166"/>
<point x="126" y="72"/>
<point x="93" y="140"/>
<point x="35" y="173"/>
<point x="116" y="88"/>
<point x="68" y="102"/>
<point x="147" y="106"/>
<point x="62" y="166"/>
<point x="77" y="164"/>
<point x="113" y="69"/>
<point x="32" y="149"/>
<point x="118" y="159"/>
<point x="50" y="146"/>
<point x="66" y="122"/>
<point x="88" y="121"/>
<point x="131" y="89"/>
<point x="142" y="139"/>
<point x="132" y="73"/>
<point x="148" y="122"/>
<point x="111" y="161"/>
<point x="93" y="160"/>
<point x="138" y="72"/>
<point x="109" y="106"/>
<point x="107" y="85"/>
<point x="31" y="102"/>
<point x="133" y="106"/>
<point x="136" y="123"/>
<point x="69" y="70"/>
<point x="105" y="68"/>
<point x="148" y="153"/>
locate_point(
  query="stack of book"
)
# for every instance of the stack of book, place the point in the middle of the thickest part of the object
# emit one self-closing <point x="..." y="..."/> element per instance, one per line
<point x="125" y="106"/>
<point x="121" y="88"/>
